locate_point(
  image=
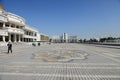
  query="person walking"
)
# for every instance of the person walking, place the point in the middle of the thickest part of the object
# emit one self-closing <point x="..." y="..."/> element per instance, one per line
<point x="9" y="47"/>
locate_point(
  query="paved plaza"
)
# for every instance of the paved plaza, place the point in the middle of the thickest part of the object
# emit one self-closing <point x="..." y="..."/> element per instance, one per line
<point x="60" y="62"/>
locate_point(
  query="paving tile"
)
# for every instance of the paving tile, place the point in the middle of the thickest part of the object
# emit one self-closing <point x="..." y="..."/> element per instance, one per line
<point x="21" y="65"/>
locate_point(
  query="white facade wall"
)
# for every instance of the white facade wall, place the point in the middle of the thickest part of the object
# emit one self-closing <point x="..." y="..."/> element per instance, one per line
<point x="3" y="18"/>
<point x="38" y="37"/>
<point x="14" y="28"/>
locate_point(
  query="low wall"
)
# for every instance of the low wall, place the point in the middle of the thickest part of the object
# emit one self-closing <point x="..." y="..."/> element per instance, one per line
<point x="106" y="43"/>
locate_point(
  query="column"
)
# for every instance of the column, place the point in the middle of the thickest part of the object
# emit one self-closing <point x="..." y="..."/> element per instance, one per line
<point x="3" y="38"/>
<point x="15" y="26"/>
<point x="4" y="24"/>
<point x="9" y="24"/>
<point x="19" y="38"/>
<point x="9" y="37"/>
<point x="23" y="39"/>
<point x="15" y="38"/>
<point x="26" y="40"/>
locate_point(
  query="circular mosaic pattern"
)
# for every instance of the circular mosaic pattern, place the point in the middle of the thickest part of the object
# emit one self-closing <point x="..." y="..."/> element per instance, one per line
<point x="61" y="55"/>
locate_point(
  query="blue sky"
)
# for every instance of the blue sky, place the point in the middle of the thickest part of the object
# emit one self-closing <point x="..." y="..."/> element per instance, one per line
<point x="84" y="18"/>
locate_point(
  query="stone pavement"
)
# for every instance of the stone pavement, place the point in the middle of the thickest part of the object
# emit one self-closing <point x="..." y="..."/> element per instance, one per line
<point x="60" y="62"/>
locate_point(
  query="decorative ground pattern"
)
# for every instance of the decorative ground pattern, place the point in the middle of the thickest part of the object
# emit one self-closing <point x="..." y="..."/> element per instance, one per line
<point x="61" y="56"/>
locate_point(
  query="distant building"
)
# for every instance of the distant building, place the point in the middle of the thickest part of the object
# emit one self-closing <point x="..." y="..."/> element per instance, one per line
<point x="72" y="39"/>
<point x="56" y="39"/>
<point x="44" y="37"/>
<point x="64" y="38"/>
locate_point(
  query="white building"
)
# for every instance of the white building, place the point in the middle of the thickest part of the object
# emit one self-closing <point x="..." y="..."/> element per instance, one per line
<point x="56" y="39"/>
<point x="72" y="39"/>
<point x="65" y="37"/>
<point x="13" y="28"/>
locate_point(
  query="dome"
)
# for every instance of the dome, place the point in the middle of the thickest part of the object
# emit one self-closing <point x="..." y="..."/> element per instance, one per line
<point x="1" y="6"/>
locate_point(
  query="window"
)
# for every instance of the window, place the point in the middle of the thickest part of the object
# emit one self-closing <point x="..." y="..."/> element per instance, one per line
<point x="7" y="24"/>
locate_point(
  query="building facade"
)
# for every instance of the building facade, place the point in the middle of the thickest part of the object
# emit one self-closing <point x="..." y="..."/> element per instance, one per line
<point x="44" y="37"/>
<point x="13" y="28"/>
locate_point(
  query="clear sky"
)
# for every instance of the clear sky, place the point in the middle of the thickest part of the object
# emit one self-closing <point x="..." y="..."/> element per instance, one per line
<point x="84" y="18"/>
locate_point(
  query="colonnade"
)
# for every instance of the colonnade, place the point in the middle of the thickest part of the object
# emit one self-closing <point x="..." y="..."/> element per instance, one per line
<point x="13" y="37"/>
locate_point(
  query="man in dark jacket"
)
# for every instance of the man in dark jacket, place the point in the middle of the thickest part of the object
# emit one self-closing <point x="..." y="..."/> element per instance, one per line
<point x="9" y="47"/>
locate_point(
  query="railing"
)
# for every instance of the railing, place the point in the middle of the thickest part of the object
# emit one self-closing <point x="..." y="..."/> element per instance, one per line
<point x="28" y="36"/>
<point x="16" y="16"/>
<point x="13" y="30"/>
<point x="3" y="32"/>
<point x="30" y="28"/>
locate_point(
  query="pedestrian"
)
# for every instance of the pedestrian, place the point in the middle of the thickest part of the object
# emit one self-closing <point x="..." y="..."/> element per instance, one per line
<point x="38" y="44"/>
<point x="9" y="47"/>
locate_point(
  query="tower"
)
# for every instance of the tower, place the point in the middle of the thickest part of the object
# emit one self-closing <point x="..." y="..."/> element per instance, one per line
<point x="65" y="37"/>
